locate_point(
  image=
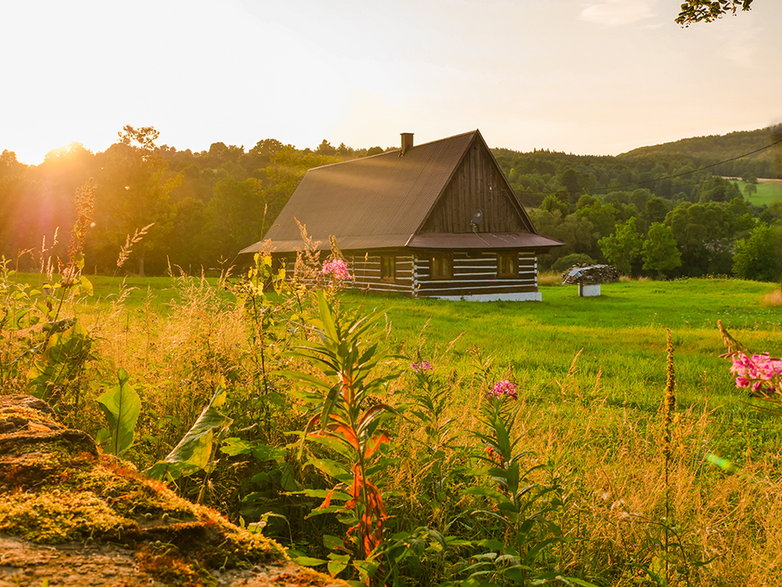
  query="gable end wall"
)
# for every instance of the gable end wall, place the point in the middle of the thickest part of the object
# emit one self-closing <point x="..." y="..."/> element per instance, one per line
<point x="477" y="184"/>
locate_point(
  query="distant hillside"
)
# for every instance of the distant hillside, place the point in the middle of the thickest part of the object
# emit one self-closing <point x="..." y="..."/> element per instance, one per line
<point x="714" y="148"/>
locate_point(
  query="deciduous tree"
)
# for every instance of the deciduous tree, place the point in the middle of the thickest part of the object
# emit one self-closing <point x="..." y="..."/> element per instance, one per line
<point x="708" y="10"/>
<point x="759" y="256"/>
<point x="623" y="247"/>
<point x="553" y="203"/>
<point x="134" y="185"/>
<point x="659" y="251"/>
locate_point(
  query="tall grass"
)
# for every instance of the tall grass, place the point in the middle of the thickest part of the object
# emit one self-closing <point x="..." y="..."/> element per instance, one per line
<point x="588" y="374"/>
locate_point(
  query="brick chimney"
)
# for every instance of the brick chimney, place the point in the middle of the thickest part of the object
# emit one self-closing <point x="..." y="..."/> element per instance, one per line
<point x="407" y="142"/>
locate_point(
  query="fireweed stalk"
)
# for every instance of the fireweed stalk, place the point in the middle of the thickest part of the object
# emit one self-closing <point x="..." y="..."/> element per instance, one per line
<point x="334" y="275"/>
<point x="503" y="389"/>
<point x="499" y="417"/>
<point x="336" y="269"/>
<point x="516" y="508"/>
<point x="757" y="372"/>
<point x="760" y="373"/>
<point x="421" y="366"/>
<point x="430" y="402"/>
<point x="348" y="419"/>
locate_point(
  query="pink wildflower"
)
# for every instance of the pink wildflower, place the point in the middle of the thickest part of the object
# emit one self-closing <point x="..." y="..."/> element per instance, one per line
<point x="756" y="372"/>
<point x="503" y="389"/>
<point x="421" y="367"/>
<point x="337" y="268"/>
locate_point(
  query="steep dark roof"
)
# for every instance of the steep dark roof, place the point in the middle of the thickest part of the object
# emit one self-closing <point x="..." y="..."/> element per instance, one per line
<point x="375" y="202"/>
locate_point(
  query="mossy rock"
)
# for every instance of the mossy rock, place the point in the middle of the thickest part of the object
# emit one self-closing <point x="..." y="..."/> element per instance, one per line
<point x="72" y="515"/>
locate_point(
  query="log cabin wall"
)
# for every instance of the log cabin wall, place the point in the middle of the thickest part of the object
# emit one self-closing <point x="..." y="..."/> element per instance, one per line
<point x="366" y="271"/>
<point x="478" y="184"/>
<point x="474" y="273"/>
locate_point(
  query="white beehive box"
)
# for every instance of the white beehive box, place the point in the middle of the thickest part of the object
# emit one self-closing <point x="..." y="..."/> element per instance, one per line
<point x="586" y="291"/>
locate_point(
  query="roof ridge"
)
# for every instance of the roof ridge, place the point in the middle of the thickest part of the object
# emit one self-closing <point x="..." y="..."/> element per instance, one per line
<point x="456" y="136"/>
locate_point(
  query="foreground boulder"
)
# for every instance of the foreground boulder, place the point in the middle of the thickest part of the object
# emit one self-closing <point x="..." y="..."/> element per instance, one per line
<point x="71" y="515"/>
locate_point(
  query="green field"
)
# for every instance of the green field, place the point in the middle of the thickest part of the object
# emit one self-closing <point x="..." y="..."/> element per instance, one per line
<point x="620" y="335"/>
<point x="769" y="191"/>
<point x="622" y="330"/>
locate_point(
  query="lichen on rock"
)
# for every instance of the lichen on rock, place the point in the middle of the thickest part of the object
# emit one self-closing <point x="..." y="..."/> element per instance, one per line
<point x="73" y="515"/>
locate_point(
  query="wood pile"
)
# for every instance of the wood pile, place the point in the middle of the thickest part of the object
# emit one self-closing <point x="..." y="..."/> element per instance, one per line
<point x="589" y="274"/>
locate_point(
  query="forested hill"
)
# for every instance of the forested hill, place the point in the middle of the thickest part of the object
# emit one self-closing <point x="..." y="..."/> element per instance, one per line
<point x="716" y="148"/>
<point x="659" y="211"/>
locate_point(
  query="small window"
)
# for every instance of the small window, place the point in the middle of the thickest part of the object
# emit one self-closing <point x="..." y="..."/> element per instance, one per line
<point x="440" y="267"/>
<point x="507" y="265"/>
<point x="387" y="267"/>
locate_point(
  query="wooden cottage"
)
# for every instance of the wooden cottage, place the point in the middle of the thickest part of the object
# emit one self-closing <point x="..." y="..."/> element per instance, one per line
<point x="432" y="220"/>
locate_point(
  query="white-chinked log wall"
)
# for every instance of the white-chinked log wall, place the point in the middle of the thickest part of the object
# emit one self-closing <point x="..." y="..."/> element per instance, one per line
<point x="475" y="278"/>
<point x="366" y="274"/>
<point x="365" y="270"/>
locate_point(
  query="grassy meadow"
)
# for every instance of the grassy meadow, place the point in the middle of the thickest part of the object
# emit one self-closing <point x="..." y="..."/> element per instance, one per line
<point x="769" y="192"/>
<point x="619" y="335"/>
<point x="591" y="374"/>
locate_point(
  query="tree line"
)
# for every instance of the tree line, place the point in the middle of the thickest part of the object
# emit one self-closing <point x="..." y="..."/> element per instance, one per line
<point x="651" y="213"/>
<point x="199" y="208"/>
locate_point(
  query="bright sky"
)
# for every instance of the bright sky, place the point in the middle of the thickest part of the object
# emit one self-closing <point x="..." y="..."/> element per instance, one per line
<point x="582" y="76"/>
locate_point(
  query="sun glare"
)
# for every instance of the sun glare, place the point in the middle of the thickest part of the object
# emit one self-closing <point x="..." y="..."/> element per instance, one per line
<point x="32" y="152"/>
<point x="64" y="151"/>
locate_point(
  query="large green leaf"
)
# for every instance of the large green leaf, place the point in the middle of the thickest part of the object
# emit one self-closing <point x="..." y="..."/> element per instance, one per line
<point x="308" y="561"/>
<point x="331" y="468"/>
<point x="318" y="383"/>
<point x="121" y="406"/>
<point x="195" y="449"/>
<point x="327" y="317"/>
<point x="337" y="563"/>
